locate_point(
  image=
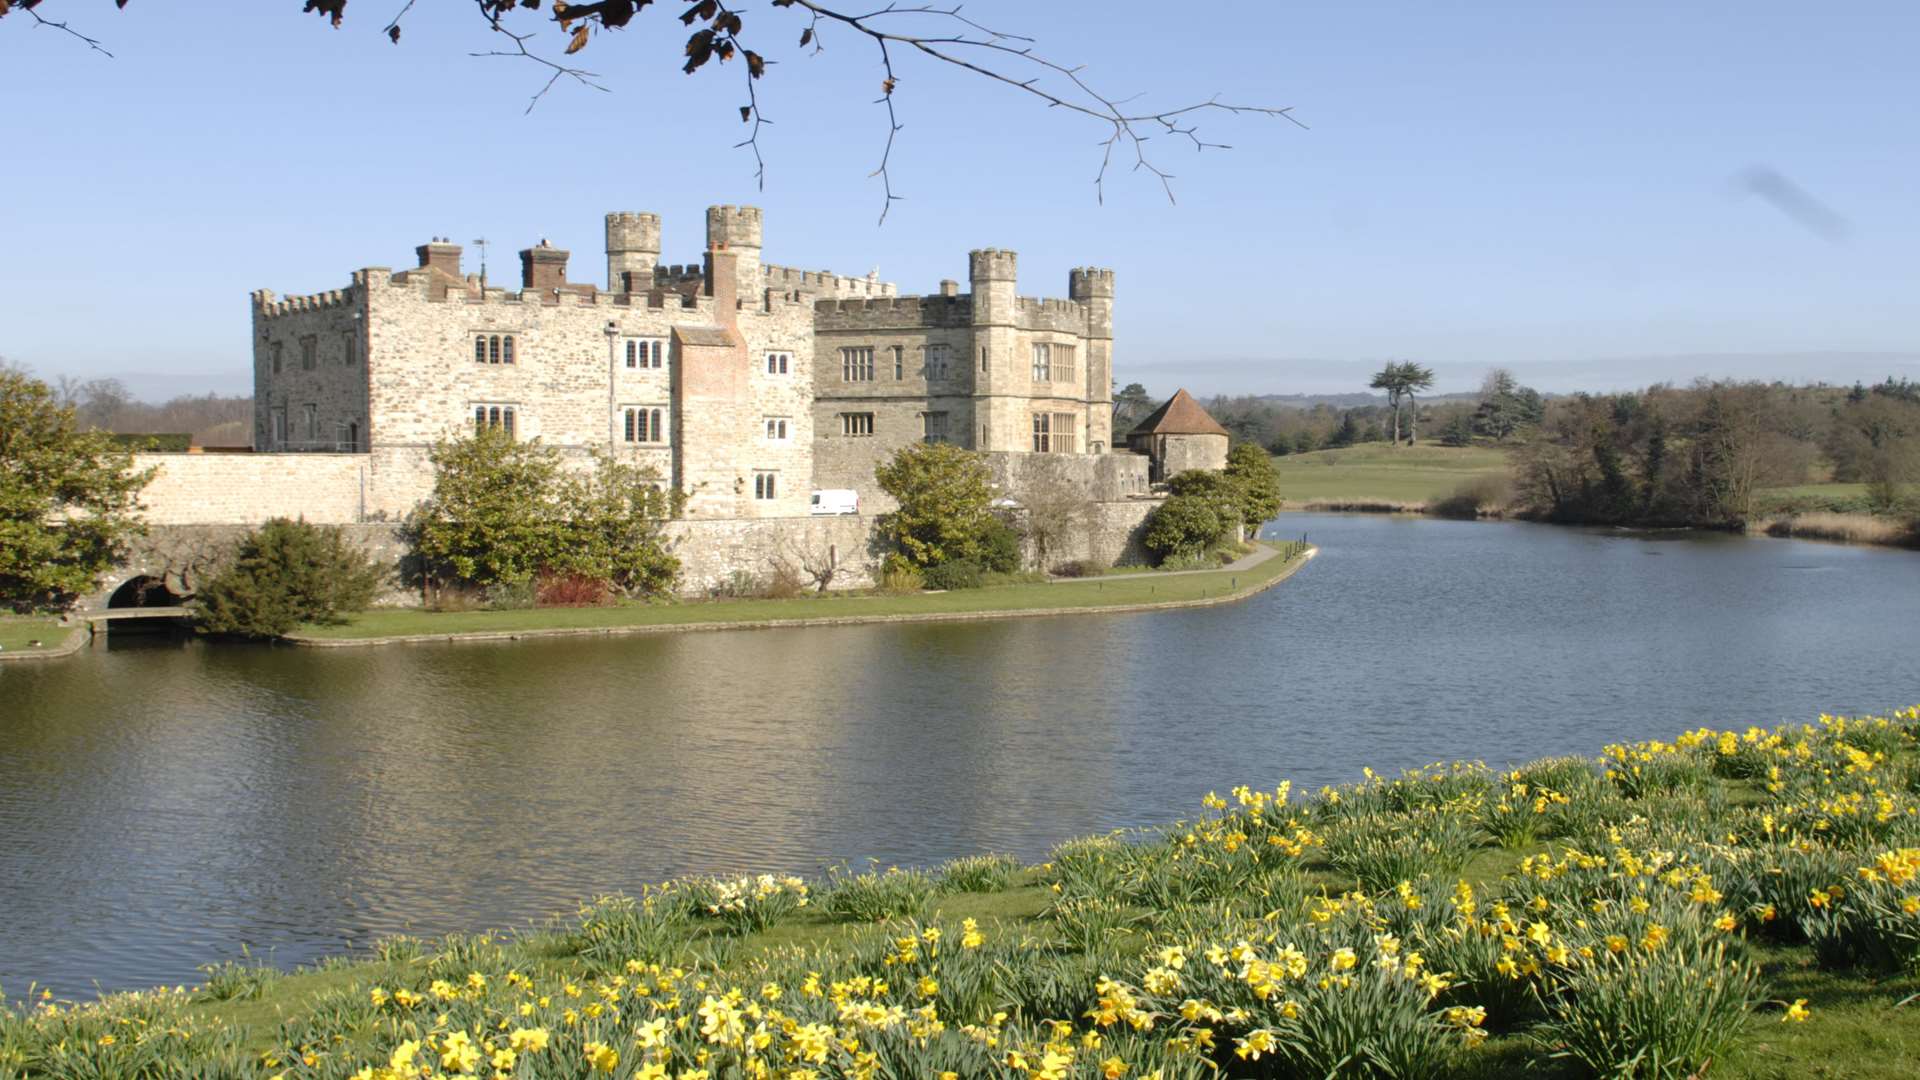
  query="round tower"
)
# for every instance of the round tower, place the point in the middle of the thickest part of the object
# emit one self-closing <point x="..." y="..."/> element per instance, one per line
<point x="633" y="247"/>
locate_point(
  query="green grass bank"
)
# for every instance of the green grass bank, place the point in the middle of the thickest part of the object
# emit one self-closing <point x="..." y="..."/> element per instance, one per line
<point x="1727" y="904"/>
<point x="1375" y="475"/>
<point x="1130" y="591"/>
<point x="18" y="634"/>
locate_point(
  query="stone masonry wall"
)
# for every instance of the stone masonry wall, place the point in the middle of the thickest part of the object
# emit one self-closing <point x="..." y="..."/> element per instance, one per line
<point x="246" y="489"/>
<point x="323" y="407"/>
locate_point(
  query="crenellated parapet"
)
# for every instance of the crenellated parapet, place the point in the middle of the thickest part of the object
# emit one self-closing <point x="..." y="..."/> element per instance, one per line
<point x="267" y="306"/>
<point x="893" y="312"/>
<point x="826" y="284"/>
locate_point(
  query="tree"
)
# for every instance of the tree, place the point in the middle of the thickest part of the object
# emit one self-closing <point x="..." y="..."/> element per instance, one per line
<point x="894" y="31"/>
<point x="1501" y="410"/>
<point x="1257" y="484"/>
<point x="496" y="515"/>
<point x="1131" y="404"/>
<point x="945" y="497"/>
<point x="1388" y="379"/>
<point x="1459" y="431"/>
<point x="283" y="574"/>
<point x="1056" y="507"/>
<point x="615" y="527"/>
<point x="1414" y="377"/>
<point x="69" y="499"/>
<point x="1184" y="527"/>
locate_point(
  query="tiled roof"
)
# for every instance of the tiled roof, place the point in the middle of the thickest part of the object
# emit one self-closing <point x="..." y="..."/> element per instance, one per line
<point x="1181" y="415"/>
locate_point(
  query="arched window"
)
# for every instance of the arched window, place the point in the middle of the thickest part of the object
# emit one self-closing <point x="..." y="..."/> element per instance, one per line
<point x="480" y="350"/>
<point x="507" y="349"/>
<point x="493" y="349"/>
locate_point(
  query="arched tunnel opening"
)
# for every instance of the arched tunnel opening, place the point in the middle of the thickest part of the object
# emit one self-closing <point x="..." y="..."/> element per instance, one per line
<point x="143" y="591"/>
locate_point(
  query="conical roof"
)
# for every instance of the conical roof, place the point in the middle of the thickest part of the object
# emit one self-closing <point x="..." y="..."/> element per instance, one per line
<point x="1181" y="415"/>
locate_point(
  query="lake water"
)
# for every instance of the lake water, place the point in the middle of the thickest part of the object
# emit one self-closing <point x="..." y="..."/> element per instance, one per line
<point x="164" y="802"/>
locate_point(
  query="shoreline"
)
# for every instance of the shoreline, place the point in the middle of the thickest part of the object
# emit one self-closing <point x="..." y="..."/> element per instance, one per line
<point x="76" y="639"/>
<point x="1833" y="528"/>
<point x="1290" y="567"/>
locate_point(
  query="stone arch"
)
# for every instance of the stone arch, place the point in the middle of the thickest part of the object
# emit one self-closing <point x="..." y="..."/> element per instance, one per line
<point x="143" y="590"/>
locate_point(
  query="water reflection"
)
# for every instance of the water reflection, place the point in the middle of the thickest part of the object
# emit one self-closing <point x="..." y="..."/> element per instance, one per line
<point x="163" y="802"/>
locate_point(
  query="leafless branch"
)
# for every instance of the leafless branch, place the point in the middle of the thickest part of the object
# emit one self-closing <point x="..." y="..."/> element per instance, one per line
<point x="392" y="29"/>
<point x="520" y="50"/>
<point x="42" y="20"/>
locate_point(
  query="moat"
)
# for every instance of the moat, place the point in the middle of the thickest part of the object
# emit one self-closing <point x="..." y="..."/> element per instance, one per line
<point x="164" y="802"/>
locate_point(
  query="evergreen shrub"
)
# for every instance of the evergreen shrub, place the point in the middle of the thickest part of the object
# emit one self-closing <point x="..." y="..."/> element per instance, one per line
<point x="283" y="574"/>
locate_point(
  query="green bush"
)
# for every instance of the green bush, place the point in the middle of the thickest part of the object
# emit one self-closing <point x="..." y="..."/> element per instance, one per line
<point x="1000" y="547"/>
<point x="1184" y="527"/>
<point x="286" y="573"/>
<point x="958" y="574"/>
<point x="944" y="496"/>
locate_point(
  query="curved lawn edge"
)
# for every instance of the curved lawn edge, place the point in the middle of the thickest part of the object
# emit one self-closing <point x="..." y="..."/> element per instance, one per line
<point x="1289" y="567"/>
<point x="76" y="639"/>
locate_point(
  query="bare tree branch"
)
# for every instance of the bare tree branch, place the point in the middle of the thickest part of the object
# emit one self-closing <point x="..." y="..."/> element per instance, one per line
<point x="492" y="13"/>
<point x="42" y="21"/>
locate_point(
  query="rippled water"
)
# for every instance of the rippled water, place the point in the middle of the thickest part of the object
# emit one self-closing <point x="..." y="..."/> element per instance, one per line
<point x="165" y="802"/>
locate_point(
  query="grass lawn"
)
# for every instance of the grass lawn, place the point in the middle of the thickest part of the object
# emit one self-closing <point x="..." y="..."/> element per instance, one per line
<point x="1115" y="592"/>
<point x="1375" y="472"/>
<point x="15" y="632"/>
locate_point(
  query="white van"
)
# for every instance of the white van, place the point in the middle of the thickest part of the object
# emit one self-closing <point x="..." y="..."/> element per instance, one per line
<point x="835" y="501"/>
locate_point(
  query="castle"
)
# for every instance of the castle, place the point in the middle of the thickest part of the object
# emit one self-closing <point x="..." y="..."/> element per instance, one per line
<point x="746" y="385"/>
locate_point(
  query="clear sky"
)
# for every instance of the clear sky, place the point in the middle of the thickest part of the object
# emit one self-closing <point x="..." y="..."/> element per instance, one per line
<point x="1597" y="195"/>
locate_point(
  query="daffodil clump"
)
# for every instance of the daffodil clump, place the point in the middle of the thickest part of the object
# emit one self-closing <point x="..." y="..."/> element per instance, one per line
<point x="1609" y="930"/>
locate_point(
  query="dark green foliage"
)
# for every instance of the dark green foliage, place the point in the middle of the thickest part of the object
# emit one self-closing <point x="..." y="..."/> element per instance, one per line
<point x="286" y="573"/>
<point x="955" y="574"/>
<point x="999" y="547"/>
<point x="68" y="499"/>
<point x="1184" y="527"/>
<point x="1458" y="432"/>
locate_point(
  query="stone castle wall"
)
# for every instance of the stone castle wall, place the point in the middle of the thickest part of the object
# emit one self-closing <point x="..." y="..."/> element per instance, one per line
<point x="247" y="489"/>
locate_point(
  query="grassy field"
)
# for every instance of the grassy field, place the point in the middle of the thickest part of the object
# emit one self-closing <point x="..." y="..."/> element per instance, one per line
<point x="1670" y="909"/>
<point x="1122" y="591"/>
<point x="1375" y="472"/>
<point x="16" y="632"/>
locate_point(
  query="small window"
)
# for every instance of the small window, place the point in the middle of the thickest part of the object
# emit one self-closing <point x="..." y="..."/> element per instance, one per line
<point x="311" y="415"/>
<point x="983" y="358"/>
<point x="856" y="424"/>
<point x="274" y="351"/>
<point x="936" y="362"/>
<point x="309" y="353"/>
<point x="348" y="352"/>
<point x="778" y="362"/>
<point x="646" y="352"/>
<point x="1064" y="368"/>
<point x="279" y="415"/>
<point x="1042" y="362"/>
<point x="644" y="423"/>
<point x="353" y="436"/>
<point x="765" y="485"/>
<point x="1042" y="432"/>
<point x="776" y="429"/>
<point x="1053" y="433"/>
<point x="899" y="363"/>
<point x="493" y="349"/>
<point x="935" y="427"/>
<point x="493" y="418"/>
<point x="856" y="364"/>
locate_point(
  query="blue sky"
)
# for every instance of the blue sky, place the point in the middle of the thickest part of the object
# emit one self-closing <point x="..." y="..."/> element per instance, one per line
<point x="1553" y="187"/>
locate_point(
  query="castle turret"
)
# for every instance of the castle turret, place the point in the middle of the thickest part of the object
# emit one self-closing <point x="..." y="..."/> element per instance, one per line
<point x="736" y="230"/>
<point x="1092" y="287"/>
<point x="992" y="274"/>
<point x="633" y="247"/>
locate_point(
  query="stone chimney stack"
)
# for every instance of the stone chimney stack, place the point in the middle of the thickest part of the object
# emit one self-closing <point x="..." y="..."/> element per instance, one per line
<point x="736" y="230"/>
<point x="543" y="267"/>
<point x="438" y="254"/>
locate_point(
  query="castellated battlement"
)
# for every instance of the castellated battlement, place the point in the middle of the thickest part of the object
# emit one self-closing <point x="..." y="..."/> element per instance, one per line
<point x="267" y="306"/>
<point x="733" y="227"/>
<point x="892" y="313"/>
<point x="992" y="264"/>
<point x="1090" y="282"/>
<point x="826" y="284"/>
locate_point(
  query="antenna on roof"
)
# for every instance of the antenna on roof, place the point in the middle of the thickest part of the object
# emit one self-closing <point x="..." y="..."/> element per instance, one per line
<point x="481" y="243"/>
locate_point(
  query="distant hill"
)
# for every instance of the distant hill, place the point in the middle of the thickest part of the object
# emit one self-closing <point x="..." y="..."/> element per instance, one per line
<point x="1339" y="401"/>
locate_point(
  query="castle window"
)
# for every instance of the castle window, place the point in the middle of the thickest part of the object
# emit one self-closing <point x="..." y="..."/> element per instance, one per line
<point x="899" y="363"/>
<point x="936" y="361"/>
<point x="1042" y="432"/>
<point x="279" y="417"/>
<point x="934" y="426"/>
<point x="1042" y="362"/>
<point x="1064" y="368"/>
<point x="777" y="362"/>
<point x="776" y="429"/>
<point x="493" y="349"/>
<point x="273" y="351"/>
<point x="353" y="436"/>
<point x="311" y="414"/>
<point x="644" y="423"/>
<point x="856" y="424"/>
<point x="309" y="353"/>
<point x="347" y="350"/>
<point x="983" y="358"/>
<point x="1054" y="433"/>
<point x="493" y="418"/>
<point x="645" y="352"/>
<point x="765" y="485"/>
<point x="856" y="365"/>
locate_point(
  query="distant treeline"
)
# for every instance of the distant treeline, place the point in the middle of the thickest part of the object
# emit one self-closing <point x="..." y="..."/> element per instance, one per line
<point x="209" y="420"/>
<point x="1501" y="410"/>
<point x="1700" y="455"/>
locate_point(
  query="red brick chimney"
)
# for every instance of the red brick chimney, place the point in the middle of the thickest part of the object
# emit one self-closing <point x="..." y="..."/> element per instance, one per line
<point x="439" y="255"/>
<point x="543" y="267"/>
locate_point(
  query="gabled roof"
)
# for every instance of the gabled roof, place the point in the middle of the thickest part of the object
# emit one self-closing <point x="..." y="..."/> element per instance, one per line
<point x="1181" y="415"/>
